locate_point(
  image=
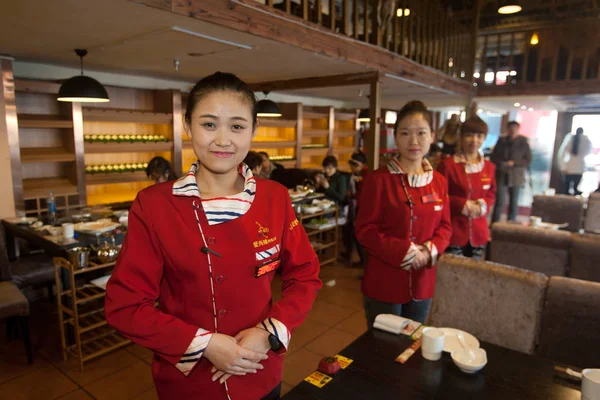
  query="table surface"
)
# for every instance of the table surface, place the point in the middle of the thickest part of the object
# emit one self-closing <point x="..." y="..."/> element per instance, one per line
<point x="34" y="237"/>
<point x="375" y="375"/>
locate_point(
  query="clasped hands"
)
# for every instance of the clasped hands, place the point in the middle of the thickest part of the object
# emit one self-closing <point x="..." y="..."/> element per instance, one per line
<point x="239" y="355"/>
<point x="422" y="258"/>
<point x="473" y="209"/>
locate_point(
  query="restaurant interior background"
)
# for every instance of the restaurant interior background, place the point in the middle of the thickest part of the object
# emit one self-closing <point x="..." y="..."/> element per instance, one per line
<point x="332" y="67"/>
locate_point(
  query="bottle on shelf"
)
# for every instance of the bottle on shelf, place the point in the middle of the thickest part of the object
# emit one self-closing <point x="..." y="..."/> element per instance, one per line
<point x="51" y="202"/>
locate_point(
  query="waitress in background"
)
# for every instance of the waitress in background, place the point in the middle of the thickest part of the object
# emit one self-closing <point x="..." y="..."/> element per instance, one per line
<point x="472" y="189"/>
<point x="404" y="223"/>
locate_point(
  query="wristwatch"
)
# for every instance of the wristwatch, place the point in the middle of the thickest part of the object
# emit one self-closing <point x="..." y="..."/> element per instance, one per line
<point x="274" y="342"/>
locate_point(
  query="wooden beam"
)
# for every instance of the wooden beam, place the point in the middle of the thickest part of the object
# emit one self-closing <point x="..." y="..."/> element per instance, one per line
<point x="355" y="18"/>
<point x="257" y="19"/>
<point x="316" y="82"/>
<point x="346" y="16"/>
<point x="299" y="133"/>
<point x="474" y="33"/>
<point x="373" y="137"/>
<point x="331" y="129"/>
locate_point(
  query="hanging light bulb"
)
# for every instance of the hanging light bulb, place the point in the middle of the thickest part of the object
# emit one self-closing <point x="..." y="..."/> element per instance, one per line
<point x="509" y="7"/>
<point x="82" y="88"/>
<point x="535" y="39"/>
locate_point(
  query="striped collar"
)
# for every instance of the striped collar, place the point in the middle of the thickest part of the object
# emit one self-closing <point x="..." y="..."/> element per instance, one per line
<point x="219" y="209"/>
<point x="414" y="180"/>
<point x="470" y="168"/>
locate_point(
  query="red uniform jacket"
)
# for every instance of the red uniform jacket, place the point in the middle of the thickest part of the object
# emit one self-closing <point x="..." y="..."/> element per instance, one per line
<point x="383" y="227"/>
<point x="480" y="185"/>
<point x="161" y="259"/>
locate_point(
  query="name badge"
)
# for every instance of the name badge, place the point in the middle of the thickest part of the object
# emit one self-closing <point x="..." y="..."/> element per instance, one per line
<point x="487" y="187"/>
<point x="266" y="268"/>
<point x="431" y="198"/>
<point x="437" y="207"/>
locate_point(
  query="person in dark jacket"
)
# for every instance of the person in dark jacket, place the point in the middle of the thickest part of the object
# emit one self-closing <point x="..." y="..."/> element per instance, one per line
<point x="160" y="170"/>
<point x="512" y="157"/>
<point x="268" y="167"/>
<point x="358" y="165"/>
<point x="332" y="183"/>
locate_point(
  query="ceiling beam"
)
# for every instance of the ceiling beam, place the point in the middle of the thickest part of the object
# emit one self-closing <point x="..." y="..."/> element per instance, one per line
<point x="260" y="20"/>
<point x="316" y="82"/>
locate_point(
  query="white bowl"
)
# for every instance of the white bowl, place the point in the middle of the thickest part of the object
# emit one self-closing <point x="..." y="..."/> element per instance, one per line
<point x="467" y="363"/>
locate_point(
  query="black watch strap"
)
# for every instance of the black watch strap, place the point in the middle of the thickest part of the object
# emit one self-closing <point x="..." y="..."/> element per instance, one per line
<point x="274" y="342"/>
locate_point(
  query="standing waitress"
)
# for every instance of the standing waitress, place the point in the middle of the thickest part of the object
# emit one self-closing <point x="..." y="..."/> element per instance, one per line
<point x="207" y="247"/>
<point x="404" y="223"/>
<point x="472" y="190"/>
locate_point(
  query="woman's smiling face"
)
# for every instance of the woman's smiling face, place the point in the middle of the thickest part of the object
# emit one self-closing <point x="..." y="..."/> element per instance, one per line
<point x="222" y="129"/>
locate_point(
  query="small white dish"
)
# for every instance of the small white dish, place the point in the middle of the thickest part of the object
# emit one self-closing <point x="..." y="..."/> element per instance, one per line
<point x="469" y="361"/>
<point x="451" y="342"/>
<point x="310" y="210"/>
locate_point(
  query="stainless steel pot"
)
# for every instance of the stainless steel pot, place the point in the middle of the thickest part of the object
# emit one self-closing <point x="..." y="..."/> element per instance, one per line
<point x="79" y="257"/>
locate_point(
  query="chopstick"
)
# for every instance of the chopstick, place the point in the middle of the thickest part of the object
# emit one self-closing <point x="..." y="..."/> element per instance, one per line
<point x="568" y="371"/>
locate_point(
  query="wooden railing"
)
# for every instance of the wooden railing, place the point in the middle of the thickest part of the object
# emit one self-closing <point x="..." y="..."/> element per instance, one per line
<point x="417" y="29"/>
<point x="558" y="58"/>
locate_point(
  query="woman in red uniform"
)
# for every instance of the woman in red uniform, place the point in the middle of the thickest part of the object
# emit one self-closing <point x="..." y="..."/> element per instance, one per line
<point x="206" y="248"/>
<point x="472" y="189"/>
<point x="404" y="223"/>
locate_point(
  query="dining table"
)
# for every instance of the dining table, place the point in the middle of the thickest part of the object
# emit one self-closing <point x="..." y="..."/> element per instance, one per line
<point x="58" y="246"/>
<point x="374" y="374"/>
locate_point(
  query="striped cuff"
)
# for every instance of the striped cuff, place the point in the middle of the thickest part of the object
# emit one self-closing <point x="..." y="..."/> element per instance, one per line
<point x="433" y="251"/>
<point x="278" y="329"/>
<point x="194" y="352"/>
<point x="484" y="207"/>
<point x="409" y="257"/>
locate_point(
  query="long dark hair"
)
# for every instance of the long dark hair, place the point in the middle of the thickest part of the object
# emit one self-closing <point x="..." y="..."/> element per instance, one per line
<point x="575" y="146"/>
<point x="219" y="82"/>
<point x="160" y="166"/>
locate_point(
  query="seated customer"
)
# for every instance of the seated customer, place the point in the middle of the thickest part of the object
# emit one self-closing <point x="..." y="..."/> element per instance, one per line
<point x="268" y="167"/>
<point x="333" y="184"/>
<point x="254" y="161"/>
<point x="160" y="170"/>
<point x="358" y="165"/>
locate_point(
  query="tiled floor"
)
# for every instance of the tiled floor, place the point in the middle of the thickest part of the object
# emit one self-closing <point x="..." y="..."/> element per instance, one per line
<point x="334" y="322"/>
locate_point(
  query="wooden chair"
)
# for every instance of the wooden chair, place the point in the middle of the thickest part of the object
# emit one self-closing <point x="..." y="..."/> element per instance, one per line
<point x="497" y="303"/>
<point x="571" y="322"/>
<point x="14" y="306"/>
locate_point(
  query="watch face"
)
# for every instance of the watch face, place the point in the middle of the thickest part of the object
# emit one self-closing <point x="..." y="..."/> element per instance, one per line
<point x="274" y="342"/>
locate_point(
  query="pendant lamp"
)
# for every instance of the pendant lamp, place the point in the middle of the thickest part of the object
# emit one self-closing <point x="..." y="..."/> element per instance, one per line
<point x="267" y="108"/>
<point x="82" y="88"/>
<point x="509" y="7"/>
<point x="364" y="115"/>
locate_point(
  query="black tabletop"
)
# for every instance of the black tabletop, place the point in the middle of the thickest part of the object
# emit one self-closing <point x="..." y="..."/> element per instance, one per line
<point x="375" y="375"/>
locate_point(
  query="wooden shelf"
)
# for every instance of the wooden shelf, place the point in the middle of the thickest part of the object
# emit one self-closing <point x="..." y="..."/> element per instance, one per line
<point x="322" y="246"/>
<point x="134" y="116"/>
<point x="116" y="177"/>
<point x="260" y="144"/>
<point x="344" y="134"/>
<point x="40" y="187"/>
<point x="327" y="261"/>
<point x="100" y="346"/>
<point x="126" y="147"/>
<point x="315" y="132"/>
<point x="277" y="123"/>
<point x="89" y="321"/>
<point x="311" y="231"/>
<point x="287" y="163"/>
<point x="86" y="293"/>
<point x="342" y="116"/>
<point x="45" y="154"/>
<point x="315" y="115"/>
<point x="344" y="150"/>
<point x="304" y="216"/>
<point x="44" y="121"/>
<point x="315" y="151"/>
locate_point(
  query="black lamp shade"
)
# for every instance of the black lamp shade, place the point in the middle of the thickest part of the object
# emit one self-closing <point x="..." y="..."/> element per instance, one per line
<point x="364" y="115"/>
<point x="268" y="108"/>
<point x="83" y="89"/>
